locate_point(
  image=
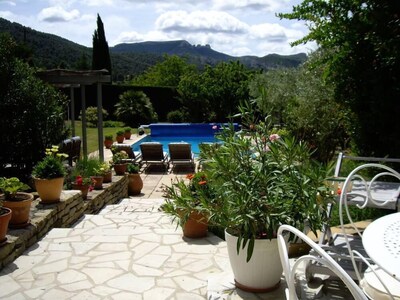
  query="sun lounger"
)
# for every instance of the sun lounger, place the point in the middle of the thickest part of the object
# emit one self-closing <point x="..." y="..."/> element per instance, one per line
<point x="152" y="153"/>
<point x="181" y="154"/>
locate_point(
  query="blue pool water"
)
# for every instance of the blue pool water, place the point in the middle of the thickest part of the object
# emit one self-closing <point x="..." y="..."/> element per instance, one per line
<point x="192" y="133"/>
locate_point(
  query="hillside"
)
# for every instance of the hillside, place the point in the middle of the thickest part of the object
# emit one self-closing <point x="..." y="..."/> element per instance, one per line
<point x="51" y="51"/>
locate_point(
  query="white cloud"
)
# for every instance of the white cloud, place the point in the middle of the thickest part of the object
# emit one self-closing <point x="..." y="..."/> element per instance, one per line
<point x="11" y="3"/>
<point x="7" y="15"/>
<point x="128" y="37"/>
<point x="268" y="31"/>
<point x="257" y="5"/>
<point x="200" y="21"/>
<point x="57" y="14"/>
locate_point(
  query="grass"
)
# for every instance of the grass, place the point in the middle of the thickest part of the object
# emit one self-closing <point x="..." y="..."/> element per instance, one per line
<point x="92" y="135"/>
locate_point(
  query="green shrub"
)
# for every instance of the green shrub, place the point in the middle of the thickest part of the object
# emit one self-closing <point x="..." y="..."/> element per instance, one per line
<point x="91" y="116"/>
<point x="134" y="108"/>
<point x="177" y="116"/>
<point x="113" y="124"/>
<point x="32" y="114"/>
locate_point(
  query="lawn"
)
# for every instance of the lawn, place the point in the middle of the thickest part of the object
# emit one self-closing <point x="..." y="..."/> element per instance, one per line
<point x="92" y="142"/>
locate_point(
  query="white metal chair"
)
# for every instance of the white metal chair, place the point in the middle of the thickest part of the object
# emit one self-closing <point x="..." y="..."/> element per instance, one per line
<point x="347" y="249"/>
<point x="322" y="258"/>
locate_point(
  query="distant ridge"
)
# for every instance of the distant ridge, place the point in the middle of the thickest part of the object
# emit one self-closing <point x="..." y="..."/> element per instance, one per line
<point x="51" y="51"/>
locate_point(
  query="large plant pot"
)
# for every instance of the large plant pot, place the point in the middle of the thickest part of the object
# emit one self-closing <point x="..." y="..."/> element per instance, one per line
<point x="49" y="190"/>
<point x="84" y="188"/>
<point x="108" y="144"/>
<point x="98" y="182"/>
<point x="263" y="271"/>
<point x="127" y="135"/>
<point x="108" y="177"/>
<point x="120" y="169"/>
<point x="120" y="139"/>
<point x="5" y="216"/>
<point x="196" y="226"/>
<point x="20" y="208"/>
<point x="135" y="184"/>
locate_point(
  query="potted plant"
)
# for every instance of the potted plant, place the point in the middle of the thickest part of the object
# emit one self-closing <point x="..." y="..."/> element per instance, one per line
<point x="83" y="184"/>
<point x="127" y="133"/>
<point x="135" y="182"/>
<point x="120" y="136"/>
<point x="262" y="181"/>
<point x="5" y="217"/>
<point x="81" y="175"/>
<point x="188" y="201"/>
<point x="108" y="141"/>
<point x="107" y="176"/>
<point x="118" y="162"/>
<point x="98" y="174"/>
<point x="15" y="199"/>
<point x="48" y="176"/>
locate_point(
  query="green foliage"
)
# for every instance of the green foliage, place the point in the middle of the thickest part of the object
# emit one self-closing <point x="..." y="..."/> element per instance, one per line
<point x="195" y="194"/>
<point x="214" y="94"/>
<point x="51" y="166"/>
<point x="134" y="108"/>
<point x="113" y="124"/>
<point x="91" y="116"/>
<point x="127" y="129"/>
<point x="11" y="186"/>
<point x="361" y="55"/>
<point x="133" y="169"/>
<point x="301" y="101"/>
<point x="119" y="157"/>
<point x="262" y="181"/>
<point x="166" y="73"/>
<point x="108" y="137"/>
<point x="31" y="113"/>
<point x="101" y="54"/>
<point x="178" y="116"/>
<point x="120" y="132"/>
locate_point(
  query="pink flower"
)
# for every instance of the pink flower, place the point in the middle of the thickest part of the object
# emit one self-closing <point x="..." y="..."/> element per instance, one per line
<point x="215" y="127"/>
<point x="273" y="137"/>
<point x="266" y="149"/>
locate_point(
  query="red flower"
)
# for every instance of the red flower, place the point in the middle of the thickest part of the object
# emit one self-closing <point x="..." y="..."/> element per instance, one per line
<point x="203" y="182"/>
<point x="339" y="191"/>
<point x="190" y="176"/>
<point x="78" y="180"/>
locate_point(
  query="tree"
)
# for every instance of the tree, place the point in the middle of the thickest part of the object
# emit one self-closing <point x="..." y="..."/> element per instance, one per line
<point x="31" y="114"/>
<point x="361" y="43"/>
<point x="101" y="54"/>
<point x="166" y="73"/>
<point x="135" y="108"/>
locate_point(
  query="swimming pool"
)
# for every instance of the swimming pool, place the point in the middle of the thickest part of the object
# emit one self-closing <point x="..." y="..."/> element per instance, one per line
<point x="192" y="133"/>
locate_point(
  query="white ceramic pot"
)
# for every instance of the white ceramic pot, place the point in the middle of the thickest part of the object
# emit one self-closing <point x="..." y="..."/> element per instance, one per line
<point x="263" y="271"/>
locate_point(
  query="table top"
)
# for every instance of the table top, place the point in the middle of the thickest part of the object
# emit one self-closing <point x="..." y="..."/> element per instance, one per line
<point x="381" y="240"/>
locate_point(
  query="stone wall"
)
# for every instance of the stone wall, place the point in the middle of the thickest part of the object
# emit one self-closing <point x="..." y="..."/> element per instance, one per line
<point x="61" y="215"/>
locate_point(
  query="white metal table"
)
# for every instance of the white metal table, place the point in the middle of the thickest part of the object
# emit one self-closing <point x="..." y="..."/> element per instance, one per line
<point x="381" y="240"/>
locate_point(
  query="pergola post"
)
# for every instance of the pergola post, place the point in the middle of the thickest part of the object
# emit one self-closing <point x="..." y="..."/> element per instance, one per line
<point x="84" y="134"/>
<point x="72" y="110"/>
<point x="100" y="120"/>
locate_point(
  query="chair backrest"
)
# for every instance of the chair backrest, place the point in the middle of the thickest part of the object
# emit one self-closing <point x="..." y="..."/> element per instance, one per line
<point x="124" y="147"/>
<point x="151" y="151"/>
<point x="76" y="147"/>
<point x="180" y="151"/>
<point x="323" y="258"/>
<point x="370" y="194"/>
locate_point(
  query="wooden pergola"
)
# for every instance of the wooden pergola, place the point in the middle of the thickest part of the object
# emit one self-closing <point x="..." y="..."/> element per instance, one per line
<point x="75" y="79"/>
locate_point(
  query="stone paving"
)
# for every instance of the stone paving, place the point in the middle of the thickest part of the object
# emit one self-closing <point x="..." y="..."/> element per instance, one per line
<point x="128" y="251"/>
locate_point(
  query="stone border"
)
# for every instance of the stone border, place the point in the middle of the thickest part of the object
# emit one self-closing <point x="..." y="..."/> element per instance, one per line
<point x="62" y="215"/>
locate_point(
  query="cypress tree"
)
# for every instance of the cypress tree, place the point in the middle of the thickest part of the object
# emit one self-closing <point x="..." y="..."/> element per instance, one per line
<point x="101" y="53"/>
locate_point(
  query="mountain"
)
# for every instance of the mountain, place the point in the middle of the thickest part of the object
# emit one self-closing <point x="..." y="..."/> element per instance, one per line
<point x="51" y="51"/>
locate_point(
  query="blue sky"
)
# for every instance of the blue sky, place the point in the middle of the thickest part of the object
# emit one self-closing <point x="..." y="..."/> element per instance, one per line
<point x="235" y="27"/>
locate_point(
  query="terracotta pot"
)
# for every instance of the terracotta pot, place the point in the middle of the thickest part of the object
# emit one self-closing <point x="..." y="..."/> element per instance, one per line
<point x="108" y="177"/>
<point x="20" y="208"/>
<point x="84" y="188"/>
<point x="262" y="273"/>
<point x="5" y="216"/>
<point x="135" y="184"/>
<point x="49" y="190"/>
<point x="108" y="143"/>
<point x="120" y="169"/>
<point x="127" y="135"/>
<point x="98" y="182"/>
<point x="120" y="139"/>
<point x="196" y="226"/>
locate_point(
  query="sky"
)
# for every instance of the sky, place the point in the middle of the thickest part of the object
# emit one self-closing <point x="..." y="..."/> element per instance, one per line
<point x="234" y="27"/>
